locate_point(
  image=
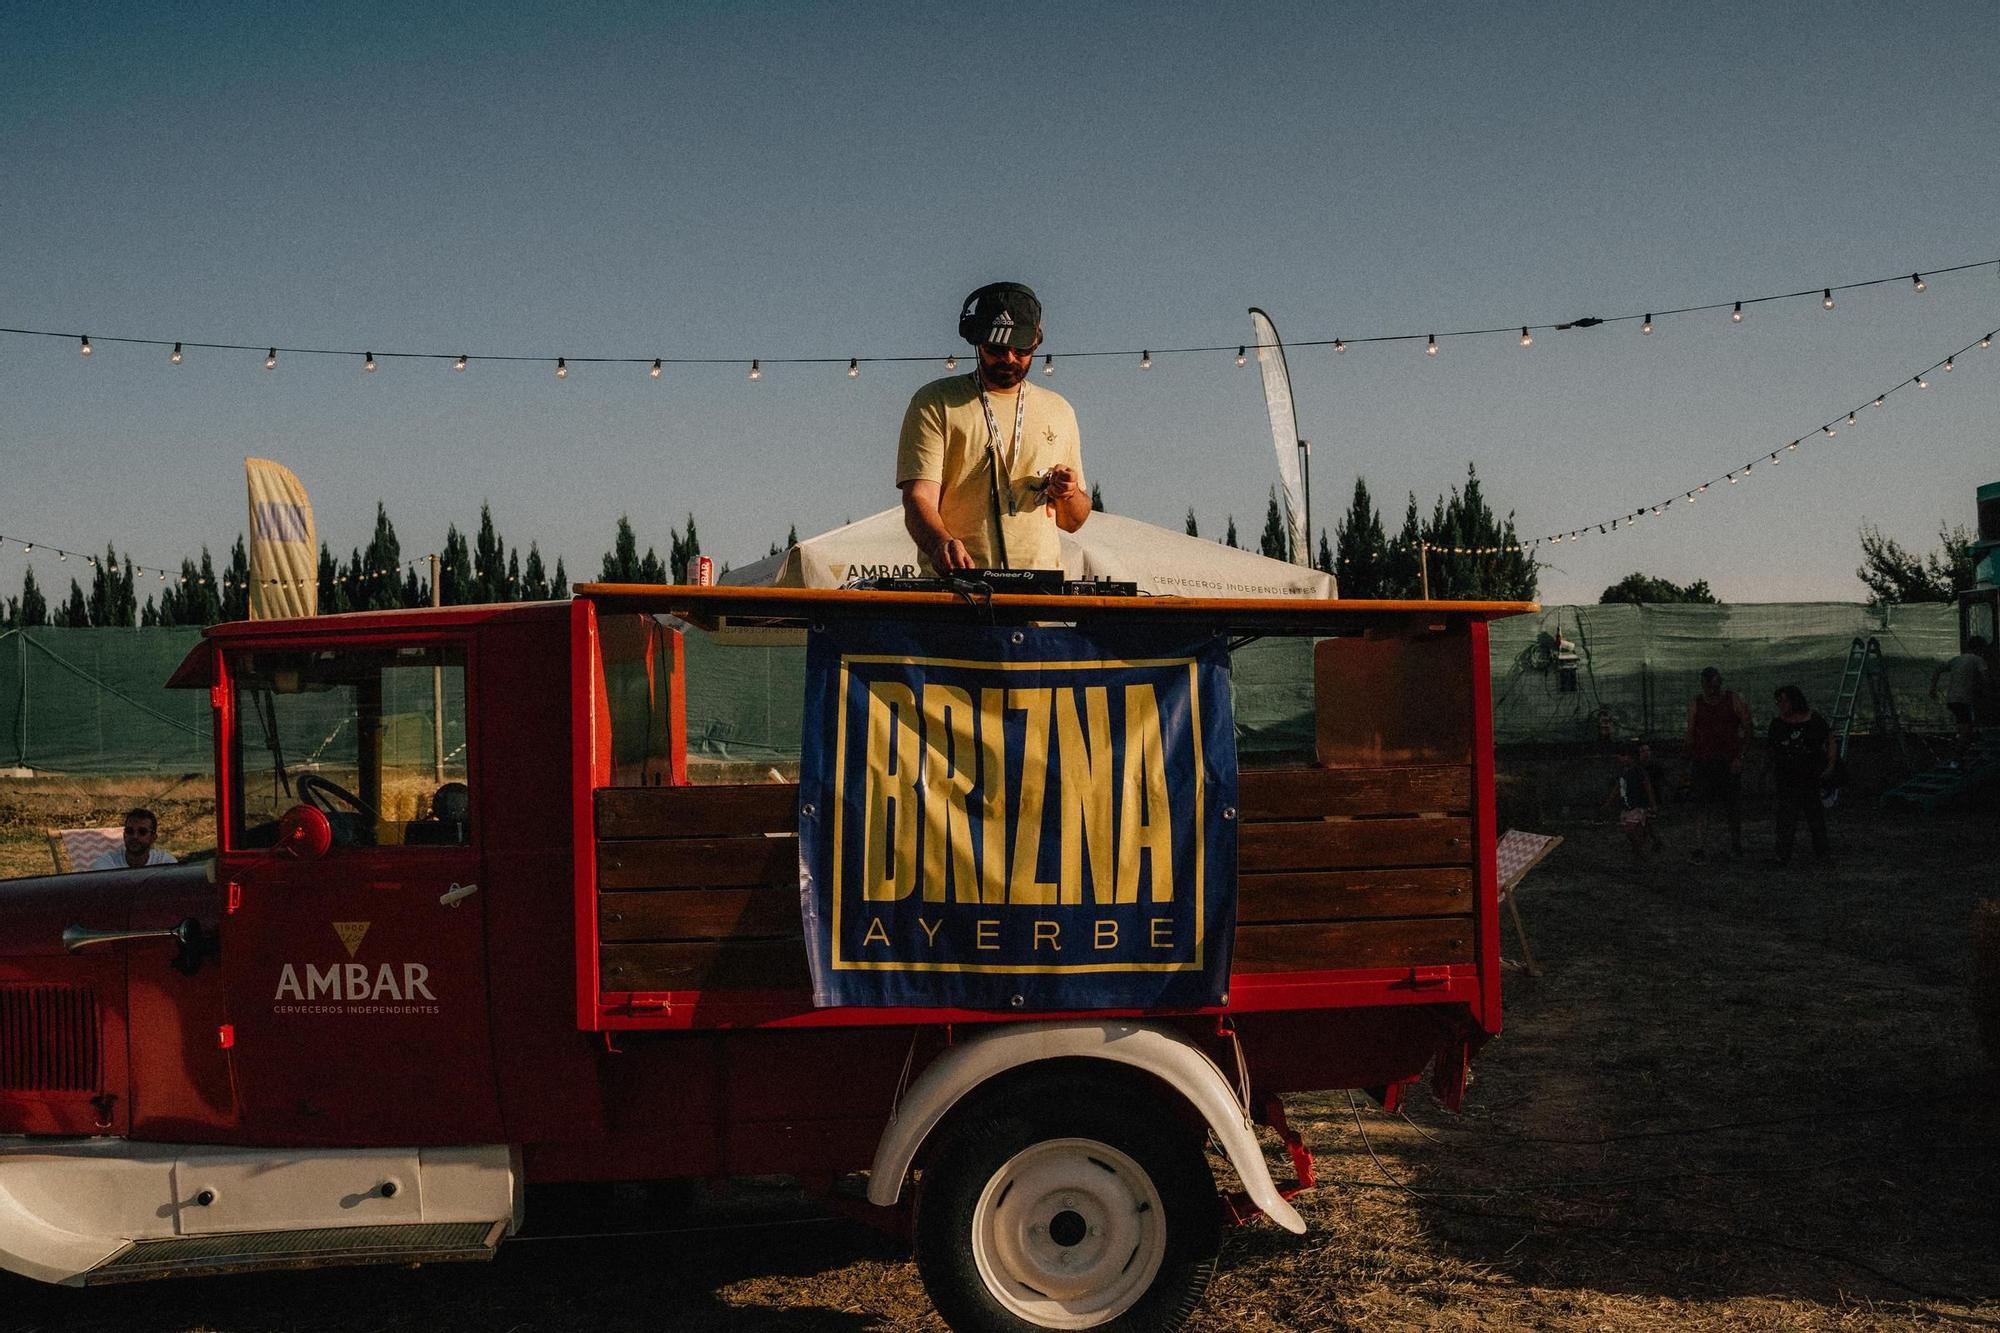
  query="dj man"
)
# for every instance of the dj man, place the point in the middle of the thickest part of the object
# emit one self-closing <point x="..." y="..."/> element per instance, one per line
<point x="989" y="464"/>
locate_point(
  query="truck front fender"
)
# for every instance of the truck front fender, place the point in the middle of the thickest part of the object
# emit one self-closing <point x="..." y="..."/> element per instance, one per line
<point x="1164" y="1054"/>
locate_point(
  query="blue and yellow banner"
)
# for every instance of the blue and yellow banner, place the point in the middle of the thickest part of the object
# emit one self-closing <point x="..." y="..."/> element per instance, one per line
<point x="1017" y="818"/>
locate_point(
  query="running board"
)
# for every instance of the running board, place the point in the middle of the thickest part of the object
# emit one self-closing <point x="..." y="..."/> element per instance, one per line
<point x="257" y="1252"/>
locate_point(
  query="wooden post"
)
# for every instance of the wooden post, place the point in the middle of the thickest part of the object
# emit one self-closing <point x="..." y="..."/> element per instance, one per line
<point x="437" y="687"/>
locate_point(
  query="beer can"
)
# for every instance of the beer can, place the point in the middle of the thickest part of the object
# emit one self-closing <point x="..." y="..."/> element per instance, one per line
<point x="704" y="571"/>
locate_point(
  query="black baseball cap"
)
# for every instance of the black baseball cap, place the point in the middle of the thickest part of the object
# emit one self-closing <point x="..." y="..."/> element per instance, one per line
<point x="1003" y="313"/>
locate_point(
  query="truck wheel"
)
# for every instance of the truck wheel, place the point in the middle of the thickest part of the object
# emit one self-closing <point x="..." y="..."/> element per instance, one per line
<point x="1068" y="1212"/>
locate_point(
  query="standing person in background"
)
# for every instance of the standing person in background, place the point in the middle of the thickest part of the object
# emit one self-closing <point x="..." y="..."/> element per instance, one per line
<point x="1632" y="792"/>
<point x="1718" y="725"/>
<point x="990" y="466"/>
<point x="1803" y="755"/>
<point x="1965" y="684"/>
<point x="141" y="828"/>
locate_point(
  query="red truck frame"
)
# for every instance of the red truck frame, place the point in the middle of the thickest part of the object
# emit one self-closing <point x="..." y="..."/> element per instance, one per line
<point x="398" y="995"/>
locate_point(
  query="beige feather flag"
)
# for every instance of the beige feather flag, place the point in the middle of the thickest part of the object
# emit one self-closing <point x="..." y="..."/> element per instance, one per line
<point x="284" y="551"/>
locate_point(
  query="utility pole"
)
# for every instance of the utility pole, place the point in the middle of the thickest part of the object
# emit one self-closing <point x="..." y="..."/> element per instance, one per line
<point x="437" y="687"/>
<point x="1424" y="566"/>
<point x="1306" y="485"/>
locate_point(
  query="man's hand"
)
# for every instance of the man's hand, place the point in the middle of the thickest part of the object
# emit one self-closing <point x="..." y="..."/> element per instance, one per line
<point x="1058" y="483"/>
<point x="949" y="555"/>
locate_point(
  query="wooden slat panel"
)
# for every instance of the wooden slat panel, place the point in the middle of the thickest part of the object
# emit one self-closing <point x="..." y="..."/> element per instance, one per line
<point x="1354" y="844"/>
<point x="781" y="964"/>
<point x="1423" y="943"/>
<point x="695" y="812"/>
<point x="698" y="914"/>
<point x="729" y="965"/>
<point x="1345" y="895"/>
<point x="697" y="863"/>
<point x="1293" y="793"/>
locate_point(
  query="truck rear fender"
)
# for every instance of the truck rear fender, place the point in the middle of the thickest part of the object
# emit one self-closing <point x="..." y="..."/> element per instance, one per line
<point x="1166" y="1055"/>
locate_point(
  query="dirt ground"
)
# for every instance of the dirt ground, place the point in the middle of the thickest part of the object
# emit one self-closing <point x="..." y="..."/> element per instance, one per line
<point x="1737" y="1097"/>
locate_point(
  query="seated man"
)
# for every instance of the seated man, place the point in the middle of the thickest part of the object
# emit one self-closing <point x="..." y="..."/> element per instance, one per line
<point x="141" y="828"/>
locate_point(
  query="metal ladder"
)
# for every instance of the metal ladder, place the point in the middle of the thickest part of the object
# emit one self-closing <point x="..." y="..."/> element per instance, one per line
<point x="1864" y="665"/>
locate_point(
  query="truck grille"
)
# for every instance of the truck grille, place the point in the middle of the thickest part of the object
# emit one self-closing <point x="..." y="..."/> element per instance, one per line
<point x="48" y="1039"/>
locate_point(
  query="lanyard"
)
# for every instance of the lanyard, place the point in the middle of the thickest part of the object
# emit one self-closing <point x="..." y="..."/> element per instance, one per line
<point x="993" y="429"/>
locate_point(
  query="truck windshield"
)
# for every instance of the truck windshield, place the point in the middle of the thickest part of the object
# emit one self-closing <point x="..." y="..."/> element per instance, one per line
<point x="375" y="738"/>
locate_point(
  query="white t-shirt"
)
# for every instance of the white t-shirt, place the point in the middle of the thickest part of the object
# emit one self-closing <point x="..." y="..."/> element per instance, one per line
<point x="115" y="859"/>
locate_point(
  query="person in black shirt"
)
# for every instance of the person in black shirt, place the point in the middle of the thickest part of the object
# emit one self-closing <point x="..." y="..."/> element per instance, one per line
<point x="1802" y="755"/>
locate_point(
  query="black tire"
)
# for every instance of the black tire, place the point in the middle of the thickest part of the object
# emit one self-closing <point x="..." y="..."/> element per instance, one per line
<point x="1095" y="1172"/>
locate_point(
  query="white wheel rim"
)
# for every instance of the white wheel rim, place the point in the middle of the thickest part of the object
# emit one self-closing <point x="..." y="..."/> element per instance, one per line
<point x="1070" y="1233"/>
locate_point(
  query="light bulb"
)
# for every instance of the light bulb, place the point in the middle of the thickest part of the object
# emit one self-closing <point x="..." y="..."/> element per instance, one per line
<point x="853" y="368"/>
<point x="1793" y="446"/>
<point x="1987" y="341"/>
<point x="1826" y="299"/>
<point x="1880" y="398"/>
<point x="460" y="363"/>
<point x="1647" y="327"/>
<point x="85" y="348"/>
<point x="1145" y="360"/>
<point x="1923" y="383"/>
<point x="1527" y="338"/>
<point x="1431" y="348"/>
<point x="174" y="357"/>
<point x="1048" y="365"/>
<point x="1240" y="357"/>
<point x="1732" y="477"/>
<point x="1917" y="282"/>
<point x="1947" y="364"/>
<point x="1736" y="315"/>
<point x="1850" y="418"/>
<point x="271" y="359"/>
<point x="951" y="362"/>
<point x="1827" y="430"/>
<point x="369" y="364"/>
<point x="655" y="371"/>
<point x="562" y="368"/>
<point x="756" y="370"/>
<point x="1339" y="346"/>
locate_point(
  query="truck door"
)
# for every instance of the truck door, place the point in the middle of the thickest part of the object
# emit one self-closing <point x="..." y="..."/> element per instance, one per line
<point x="355" y="978"/>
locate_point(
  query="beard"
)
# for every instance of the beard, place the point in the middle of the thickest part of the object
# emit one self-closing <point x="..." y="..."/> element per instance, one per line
<point x="1004" y="374"/>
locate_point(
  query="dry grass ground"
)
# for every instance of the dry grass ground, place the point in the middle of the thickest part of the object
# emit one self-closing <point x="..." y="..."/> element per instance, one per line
<point x="1738" y="1097"/>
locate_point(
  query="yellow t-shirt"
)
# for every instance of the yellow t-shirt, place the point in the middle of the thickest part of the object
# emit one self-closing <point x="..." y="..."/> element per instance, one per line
<point x="944" y="440"/>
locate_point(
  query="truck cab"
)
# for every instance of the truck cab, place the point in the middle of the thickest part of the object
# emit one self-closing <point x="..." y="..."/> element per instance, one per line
<point x="473" y="922"/>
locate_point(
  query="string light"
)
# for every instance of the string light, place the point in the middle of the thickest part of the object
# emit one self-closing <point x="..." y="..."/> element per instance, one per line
<point x="1923" y="383"/>
<point x="1647" y="324"/>
<point x="1431" y="348"/>
<point x="1850" y="418"/>
<point x="1145" y="360"/>
<point x="562" y="369"/>
<point x="174" y="357"/>
<point x="85" y="348"/>
<point x="756" y="370"/>
<point x="369" y="364"/>
<point x="1987" y="341"/>
<point x="1527" y="339"/>
<point x="1048" y="365"/>
<point x="1827" y="430"/>
<point x="1240" y="357"/>
<point x="655" y="371"/>
<point x="853" y="368"/>
<point x="1947" y="365"/>
<point x="1881" y="398"/>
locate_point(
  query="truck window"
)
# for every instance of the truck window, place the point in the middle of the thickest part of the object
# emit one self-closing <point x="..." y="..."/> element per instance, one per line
<point x="376" y="738"/>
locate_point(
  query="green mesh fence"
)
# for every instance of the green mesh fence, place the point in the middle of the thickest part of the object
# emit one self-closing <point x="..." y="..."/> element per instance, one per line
<point x="92" y="701"/>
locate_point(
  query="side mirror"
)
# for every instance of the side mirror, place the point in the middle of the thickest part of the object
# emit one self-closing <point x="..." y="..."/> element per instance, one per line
<point x="303" y="834"/>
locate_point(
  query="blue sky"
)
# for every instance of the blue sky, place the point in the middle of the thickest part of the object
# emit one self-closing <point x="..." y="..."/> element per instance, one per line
<point x="707" y="180"/>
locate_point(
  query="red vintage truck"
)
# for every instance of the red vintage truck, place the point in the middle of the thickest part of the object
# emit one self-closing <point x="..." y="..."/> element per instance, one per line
<point x="468" y="928"/>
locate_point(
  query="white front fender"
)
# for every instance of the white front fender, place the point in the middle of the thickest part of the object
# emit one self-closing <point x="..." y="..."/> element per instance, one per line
<point x="1166" y="1055"/>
